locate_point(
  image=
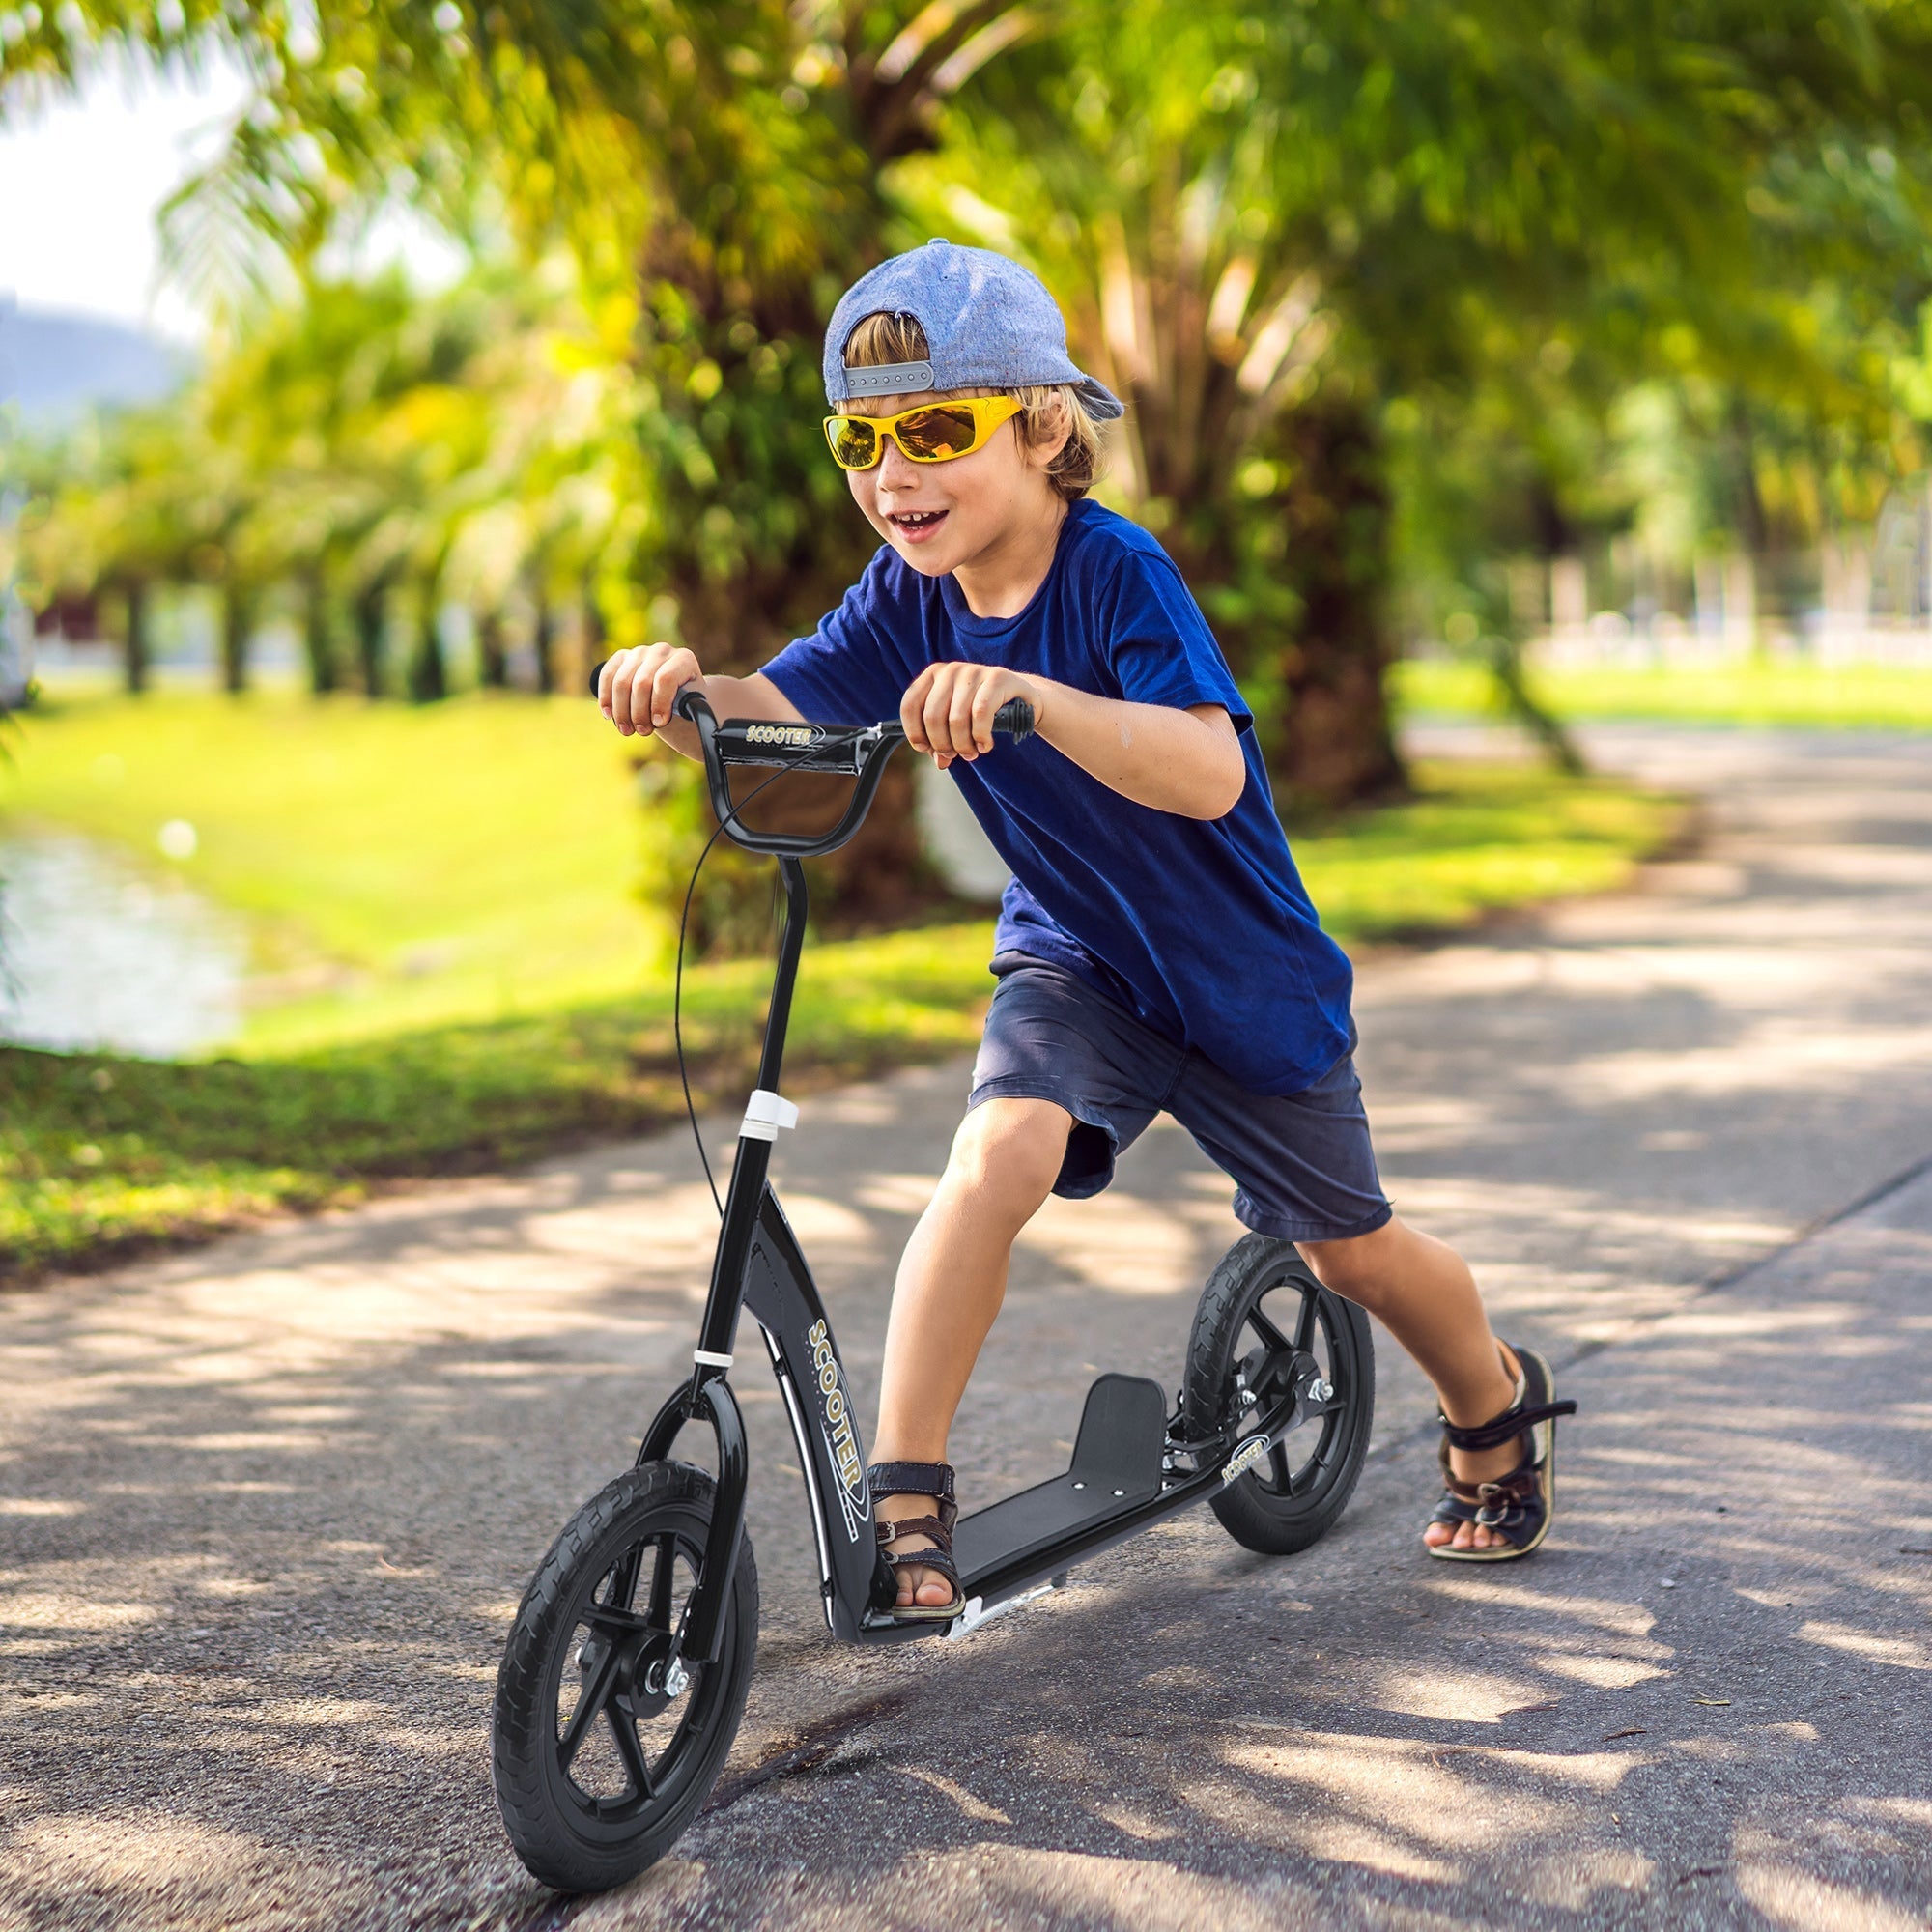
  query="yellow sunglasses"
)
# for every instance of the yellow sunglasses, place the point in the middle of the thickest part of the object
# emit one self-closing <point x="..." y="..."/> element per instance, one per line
<point x="930" y="433"/>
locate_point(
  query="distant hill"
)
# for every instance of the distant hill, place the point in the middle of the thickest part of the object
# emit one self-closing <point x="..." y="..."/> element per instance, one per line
<point x="56" y="365"/>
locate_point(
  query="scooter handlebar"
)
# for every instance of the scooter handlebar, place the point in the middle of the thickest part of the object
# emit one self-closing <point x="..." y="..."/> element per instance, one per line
<point x="814" y="747"/>
<point x="855" y="751"/>
<point x="851" y="751"/>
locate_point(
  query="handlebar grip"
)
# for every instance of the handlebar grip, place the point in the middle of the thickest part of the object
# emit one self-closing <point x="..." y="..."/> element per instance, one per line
<point x="597" y="671"/>
<point x="1015" y="715"/>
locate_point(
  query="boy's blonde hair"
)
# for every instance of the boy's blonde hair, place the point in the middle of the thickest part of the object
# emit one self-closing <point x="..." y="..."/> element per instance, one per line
<point x="885" y="337"/>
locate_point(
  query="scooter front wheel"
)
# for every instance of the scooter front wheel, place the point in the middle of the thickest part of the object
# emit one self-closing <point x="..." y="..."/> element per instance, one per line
<point x="602" y="1755"/>
<point x="1263" y="1323"/>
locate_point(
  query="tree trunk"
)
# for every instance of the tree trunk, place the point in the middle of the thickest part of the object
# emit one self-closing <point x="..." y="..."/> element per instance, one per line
<point x="1334" y="742"/>
<point x="318" y="639"/>
<point x="371" y="642"/>
<point x="596" y="639"/>
<point x="136" y="648"/>
<point x="237" y="620"/>
<point x="543" y="643"/>
<point x="493" y="660"/>
<point x="428" y="674"/>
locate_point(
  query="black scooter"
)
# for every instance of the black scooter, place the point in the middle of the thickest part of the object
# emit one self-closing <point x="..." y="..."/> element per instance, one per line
<point x="625" y="1675"/>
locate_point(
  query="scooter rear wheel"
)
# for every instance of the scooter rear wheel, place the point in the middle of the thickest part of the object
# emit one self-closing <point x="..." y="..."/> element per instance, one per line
<point x="599" y="1763"/>
<point x="1262" y="1321"/>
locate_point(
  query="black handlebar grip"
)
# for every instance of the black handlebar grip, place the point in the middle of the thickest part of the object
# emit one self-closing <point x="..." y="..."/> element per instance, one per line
<point x="1015" y="715"/>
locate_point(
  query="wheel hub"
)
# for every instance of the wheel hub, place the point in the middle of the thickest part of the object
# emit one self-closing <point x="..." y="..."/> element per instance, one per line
<point x="652" y="1677"/>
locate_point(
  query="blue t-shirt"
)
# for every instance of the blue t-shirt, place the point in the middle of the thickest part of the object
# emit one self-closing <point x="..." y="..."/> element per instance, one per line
<point x="1199" y="927"/>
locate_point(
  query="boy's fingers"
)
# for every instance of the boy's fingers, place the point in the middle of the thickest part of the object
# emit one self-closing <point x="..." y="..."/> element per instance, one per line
<point x="937" y="715"/>
<point x="665" y="686"/>
<point x="912" y="711"/>
<point x="644" y="681"/>
<point x="985" y="702"/>
<point x="619" y="708"/>
<point x="959" y="720"/>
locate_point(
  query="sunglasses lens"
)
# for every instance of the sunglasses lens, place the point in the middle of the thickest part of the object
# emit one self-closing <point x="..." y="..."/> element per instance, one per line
<point x="930" y="435"/>
<point x="855" y="442"/>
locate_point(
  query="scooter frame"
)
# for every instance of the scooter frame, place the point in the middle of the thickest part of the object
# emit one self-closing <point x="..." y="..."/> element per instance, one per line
<point x="1133" y="1465"/>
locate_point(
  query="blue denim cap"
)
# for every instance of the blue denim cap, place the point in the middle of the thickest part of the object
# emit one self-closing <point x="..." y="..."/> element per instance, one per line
<point x="989" y="324"/>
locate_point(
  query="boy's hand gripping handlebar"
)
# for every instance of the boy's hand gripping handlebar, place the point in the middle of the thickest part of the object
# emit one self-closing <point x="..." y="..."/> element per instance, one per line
<point x="855" y="751"/>
<point x="852" y="751"/>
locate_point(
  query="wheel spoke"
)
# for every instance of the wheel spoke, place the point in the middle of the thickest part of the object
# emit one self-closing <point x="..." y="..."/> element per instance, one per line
<point x="1304" y="1324"/>
<point x="663" y="1576"/>
<point x="630" y="1750"/>
<point x="619" y="1623"/>
<point x="623" y="1594"/>
<point x="594" y="1696"/>
<point x="1277" y="1342"/>
<point x="1284" y="1477"/>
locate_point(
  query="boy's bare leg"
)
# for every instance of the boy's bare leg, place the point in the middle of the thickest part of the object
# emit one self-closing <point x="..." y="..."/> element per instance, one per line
<point x="1005" y="1159"/>
<point x="1423" y="1294"/>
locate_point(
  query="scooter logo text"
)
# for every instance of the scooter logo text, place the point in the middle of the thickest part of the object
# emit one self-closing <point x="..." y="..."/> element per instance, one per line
<point x="854" y="1498"/>
<point x="782" y="734"/>
<point x="1244" y="1458"/>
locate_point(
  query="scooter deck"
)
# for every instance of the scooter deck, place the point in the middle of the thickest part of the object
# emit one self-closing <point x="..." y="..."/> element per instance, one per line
<point x="1115" y="1472"/>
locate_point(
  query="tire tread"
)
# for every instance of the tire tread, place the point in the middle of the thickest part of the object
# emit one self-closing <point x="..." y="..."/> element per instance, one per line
<point x="1241" y="1506"/>
<point x="550" y="1855"/>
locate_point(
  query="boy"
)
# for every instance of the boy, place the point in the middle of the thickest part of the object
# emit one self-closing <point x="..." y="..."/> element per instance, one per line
<point x="1155" y="951"/>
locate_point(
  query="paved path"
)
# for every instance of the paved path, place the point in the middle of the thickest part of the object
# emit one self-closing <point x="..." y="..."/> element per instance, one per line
<point x="267" y="1508"/>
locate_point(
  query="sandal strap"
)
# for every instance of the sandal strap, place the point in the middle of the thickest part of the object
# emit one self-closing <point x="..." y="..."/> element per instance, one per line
<point x="911" y="1479"/>
<point x="1508" y="1506"/>
<point x="1512" y="1421"/>
<point x="1454" y="1508"/>
<point x="916" y="1479"/>
<point x="928" y="1559"/>
<point x="914" y="1526"/>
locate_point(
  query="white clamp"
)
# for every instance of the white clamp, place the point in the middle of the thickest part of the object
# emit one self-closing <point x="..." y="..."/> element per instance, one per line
<point x="765" y="1113"/>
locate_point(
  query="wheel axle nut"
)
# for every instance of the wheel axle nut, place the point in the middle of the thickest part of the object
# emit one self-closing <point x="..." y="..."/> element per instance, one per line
<point x="668" y="1680"/>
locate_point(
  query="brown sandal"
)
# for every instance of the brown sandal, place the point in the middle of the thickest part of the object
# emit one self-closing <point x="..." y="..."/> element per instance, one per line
<point x="919" y="1479"/>
<point x="1519" y="1506"/>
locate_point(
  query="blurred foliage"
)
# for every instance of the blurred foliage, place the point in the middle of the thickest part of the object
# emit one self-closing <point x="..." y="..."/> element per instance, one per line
<point x="1393" y="291"/>
<point x="358" y="443"/>
<point x="1342" y="261"/>
<point x="102" y="1156"/>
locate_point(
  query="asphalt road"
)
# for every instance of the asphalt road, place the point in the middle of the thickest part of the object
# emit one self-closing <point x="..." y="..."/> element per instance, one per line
<point x="267" y="1507"/>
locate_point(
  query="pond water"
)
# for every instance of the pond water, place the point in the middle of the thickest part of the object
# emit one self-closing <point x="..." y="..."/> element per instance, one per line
<point x="95" y="953"/>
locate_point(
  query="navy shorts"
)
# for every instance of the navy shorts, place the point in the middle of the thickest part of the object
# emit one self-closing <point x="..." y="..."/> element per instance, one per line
<point x="1303" y="1164"/>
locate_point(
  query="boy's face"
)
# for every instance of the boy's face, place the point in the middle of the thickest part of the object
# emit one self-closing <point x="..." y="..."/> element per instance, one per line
<point x="942" y="516"/>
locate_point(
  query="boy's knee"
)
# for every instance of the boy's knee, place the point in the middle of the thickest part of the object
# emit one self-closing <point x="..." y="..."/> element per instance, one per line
<point x="1009" y="1151"/>
<point x="1355" y="1267"/>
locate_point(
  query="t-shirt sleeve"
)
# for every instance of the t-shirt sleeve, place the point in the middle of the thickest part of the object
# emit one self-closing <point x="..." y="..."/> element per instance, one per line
<point x="1159" y="645"/>
<point x="844" y="673"/>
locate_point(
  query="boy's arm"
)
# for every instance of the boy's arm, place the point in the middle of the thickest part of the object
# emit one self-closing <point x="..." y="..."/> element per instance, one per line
<point x="636" y="688"/>
<point x="1189" y="762"/>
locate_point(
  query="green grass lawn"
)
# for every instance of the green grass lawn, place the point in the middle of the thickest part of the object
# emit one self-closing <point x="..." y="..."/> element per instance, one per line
<point x="1860" y="696"/>
<point x="398" y="865"/>
<point x="505" y="834"/>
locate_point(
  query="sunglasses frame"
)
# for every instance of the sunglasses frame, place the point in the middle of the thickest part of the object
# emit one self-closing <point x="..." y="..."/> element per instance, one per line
<point x="988" y="413"/>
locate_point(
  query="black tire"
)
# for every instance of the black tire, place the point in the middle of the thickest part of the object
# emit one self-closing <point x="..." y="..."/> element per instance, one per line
<point x="577" y="1811"/>
<point x="1260" y="1311"/>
